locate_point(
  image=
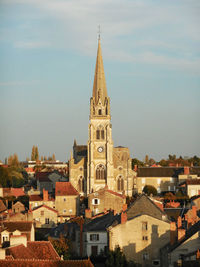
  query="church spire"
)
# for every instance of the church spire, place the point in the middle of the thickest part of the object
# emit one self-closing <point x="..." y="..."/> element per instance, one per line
<point x="99" y="86"/>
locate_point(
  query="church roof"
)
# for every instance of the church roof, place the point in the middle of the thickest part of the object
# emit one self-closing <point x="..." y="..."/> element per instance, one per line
<point x="99" y="86"/>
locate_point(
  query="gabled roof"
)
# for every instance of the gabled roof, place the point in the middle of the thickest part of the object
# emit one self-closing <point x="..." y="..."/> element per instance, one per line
<point x="102" y="223"/>
<point x="44" y="206"/>
<point x="189" y="233"/>
<point x="17" y="192"/>
<point x="17" y="225"/>
<point x="65" y="189"/>
<point x="38" y="198"/>
<point x="45" y="263"/>
<point x="105" y="189"/>
<point x="159" y="172"/>
<point x="144" y="205"/>
<point x="2" y="206"/>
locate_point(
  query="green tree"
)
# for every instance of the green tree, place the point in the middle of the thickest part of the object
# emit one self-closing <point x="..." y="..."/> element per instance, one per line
<point x="116" y="258"/>
<point x="149" y="189"/>
<point x="36" y="154"/>
<point x="137" y="162"/>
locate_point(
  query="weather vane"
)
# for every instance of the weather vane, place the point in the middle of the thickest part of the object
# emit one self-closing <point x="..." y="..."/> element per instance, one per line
<point x="99" y="32"/>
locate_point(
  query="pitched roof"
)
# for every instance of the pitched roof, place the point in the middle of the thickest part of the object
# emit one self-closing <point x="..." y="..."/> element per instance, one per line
<point x="102" y="223"/>
<point x="20" y="252"/>
<point x="144" y="205"/>
<point x="65" y="189"/>
<point x="2" y="206"/>
<point x="39" y="198"/>
<point x="46" y="207"/>
<point x="159" y="172"/>
<point x="115" y="193"/>
<point x="45" y="263"/>
<point x="17" y="192"/>
<point x="43" y="250"/>
<point x="17" y="225"/>
<point x="192" y="181"/>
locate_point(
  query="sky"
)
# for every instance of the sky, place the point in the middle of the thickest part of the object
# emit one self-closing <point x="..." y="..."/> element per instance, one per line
<point x="151" y="54"/>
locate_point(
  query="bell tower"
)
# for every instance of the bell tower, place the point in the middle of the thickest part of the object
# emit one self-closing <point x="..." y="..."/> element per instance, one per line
<point x="100" y="143"/>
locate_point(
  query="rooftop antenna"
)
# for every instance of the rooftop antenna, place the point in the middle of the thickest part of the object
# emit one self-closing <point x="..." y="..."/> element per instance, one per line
<point x="99" y="32"/>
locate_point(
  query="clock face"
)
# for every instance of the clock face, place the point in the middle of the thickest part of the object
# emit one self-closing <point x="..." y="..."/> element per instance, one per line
<point x="100" y="149"/>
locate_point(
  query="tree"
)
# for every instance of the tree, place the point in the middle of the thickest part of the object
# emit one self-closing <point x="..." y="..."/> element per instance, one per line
<point x="137" y="162"/>
<point x="116" y="258"/>
<point x="45" y="158"/>
<point x="42" y="158"/>
<point x="61" y="246"/>
<point x="33" y="153"/>
<point x="146" y="159"/>
<point x="13" y="160"/>
<point x="149" y="189"/>
<point x="36" y="154"/>
<point x="53" y="157"/>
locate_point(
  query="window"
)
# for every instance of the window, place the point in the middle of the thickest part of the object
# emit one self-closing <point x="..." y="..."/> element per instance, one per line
<point x="100" y="172"/>
<point x="100" y="113"/>
<point x="94" y="237"/>
<point x="102" y="134"/>
<point x="64" y="211"/>
<point x="42" y="213"/>
<point x="158" y="181"/>
<point x="145" y="238"/>
<point x="64" y="199"/>
<point x="144" y="226"/>
<point x="145" y="256"/>
<point x="98" y="134"/>
<point x="143" y="180"/>
<point x="156" y="263"/>
<point x="120" y="183"/>
<point x="95" y="201"/>
<point x="81" y="184"/>
<point x="46" y="220"/>
<point x="5" y="238"/>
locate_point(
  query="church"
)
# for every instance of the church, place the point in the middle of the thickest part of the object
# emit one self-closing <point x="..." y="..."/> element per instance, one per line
<point x="99" y="164"/>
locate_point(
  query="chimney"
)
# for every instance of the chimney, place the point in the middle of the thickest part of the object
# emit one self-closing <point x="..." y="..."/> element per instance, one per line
<point x="105" y="210"/>
<point x="179" y="222"/>
<point x="181" y="233"/>
<point x="123" y="217"/>
<point x="45" y="195"/>
<point x="194" y="211"/>
<point x="88" y="213"/>
<point x="198" y="254"/>
<point x="124" y="207"/>
<point x="173" y="233"/>
<point x="135" y="168"/>
<point x="186" y="170"/>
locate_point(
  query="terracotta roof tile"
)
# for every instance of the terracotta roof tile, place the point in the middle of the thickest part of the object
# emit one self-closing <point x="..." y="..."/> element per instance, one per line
<point x="18" y="225"/>
<point x="20" y="252"/>
<point x="65" y="189"/>
<point x="2" y="206"/>
<point x="193" y="181"/>
<point x="43" y="250"/>
<point x="115" y="193"/>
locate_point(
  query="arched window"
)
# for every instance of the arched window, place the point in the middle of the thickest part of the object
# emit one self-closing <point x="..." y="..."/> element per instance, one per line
<point x="120" y="183"/>
<point x="100" y="172"/>
<point x="98" y="134"/>
<point x="81" y="184"/>
<point x="102" y="134"/>
<point x="100" y="113"/>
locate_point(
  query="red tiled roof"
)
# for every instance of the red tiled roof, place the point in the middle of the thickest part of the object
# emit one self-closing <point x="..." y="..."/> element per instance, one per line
<point x="2" y="206"/>
<point x="45" y="263"/>
<point x="115" y="193"/>
<point x="193" y="181"/>
<point x="20" y="252"/>
<point x="41" y="174"/>
<point x="43" y="250"/>
<point x="38" y="198"/>
<point x="29" y="169"/>
<point x="65" y="189"/>
<point x="17" y="192"/>
<point x="17" y="225"/>
<point x="44" y="206"/>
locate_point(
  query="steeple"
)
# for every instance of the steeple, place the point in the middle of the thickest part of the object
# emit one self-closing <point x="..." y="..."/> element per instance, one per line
<point x="99" y="86"/>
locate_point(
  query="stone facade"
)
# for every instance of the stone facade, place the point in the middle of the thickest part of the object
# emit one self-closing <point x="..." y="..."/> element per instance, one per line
<point x="98" y="164"/>
<point x="148" y="235"/>
<point x="105" y="199"/>
<point x="45" y="216"/>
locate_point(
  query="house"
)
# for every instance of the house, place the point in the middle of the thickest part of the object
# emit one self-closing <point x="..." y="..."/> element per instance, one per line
<point x="9" y="230"/>
<point x="16" y="192"/>
<point x="143" y="229"/>
<point x="43" y="182"/>
<point x="38" y="200"/>
<point x="162" y="178"/>
<point x="188" y="242"/>
<point x="191" y="187"/>
<point x="2" y="207"/>
<point x="105" y="199"/>
<point x="95" y="237"/>
<point x="18" y="207"/>
<point x="44" y="216"/>
<point x="66" y="200"/>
